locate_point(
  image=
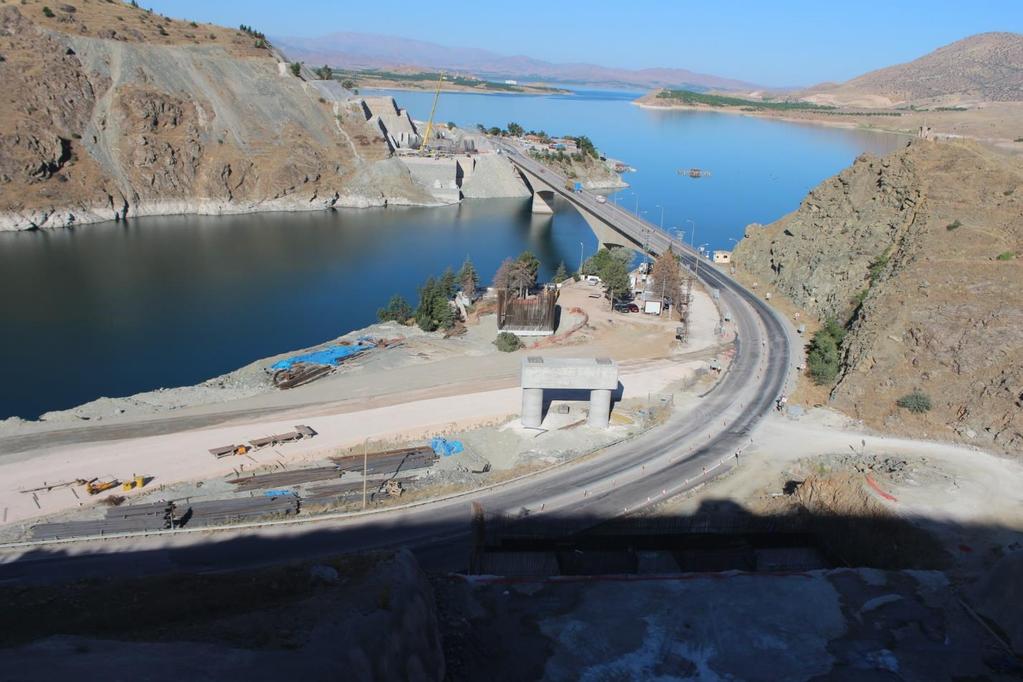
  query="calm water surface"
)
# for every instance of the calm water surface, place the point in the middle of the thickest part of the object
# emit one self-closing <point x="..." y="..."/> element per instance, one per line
<point x="113" y="309"/>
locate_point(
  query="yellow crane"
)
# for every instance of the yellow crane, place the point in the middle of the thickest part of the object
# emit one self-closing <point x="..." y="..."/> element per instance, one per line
<point x="424" y="146"/>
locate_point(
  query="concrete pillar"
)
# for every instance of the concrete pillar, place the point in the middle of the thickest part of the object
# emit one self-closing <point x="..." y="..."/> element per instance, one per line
<point x="541" y="204"/>
<point x="600" y="408"/>
<point x="532" y="406"/>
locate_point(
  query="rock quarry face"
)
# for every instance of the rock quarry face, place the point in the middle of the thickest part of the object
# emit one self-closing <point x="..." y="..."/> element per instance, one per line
<point x="111" y="110"/>
<point x="919" y="252"/>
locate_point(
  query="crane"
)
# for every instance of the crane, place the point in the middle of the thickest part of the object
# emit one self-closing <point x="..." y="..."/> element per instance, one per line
<point x="429" y="124"/>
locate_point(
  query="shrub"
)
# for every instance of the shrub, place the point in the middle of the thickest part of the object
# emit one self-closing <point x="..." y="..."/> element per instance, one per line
<point x="296" y="68"/>
<point x="47" y="12"/>
<point x="823" y="356"/>
<point x="1006" y="255"/>
<point x="917" y="402"/>
<point x="953" y="225"/>
<point x="507" y="342"/>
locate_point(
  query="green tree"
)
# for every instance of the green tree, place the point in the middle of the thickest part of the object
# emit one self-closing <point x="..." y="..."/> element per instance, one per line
<point x="468" y="278"/>
<point x="515" y="274"/>
<point x="296" y="68"/>
<point x="348" y="84"/>
<point x="515" y="129"/>
<point x="532" y="264"/>
<point x="325" y="73"/>
<point x="47" y="12"/>
<point x="495" y="131"/>
<point x="616" y="279"/>
<point x="434" y="310"/>
<point x="397" y="310"/>
<point x="561" y="274"/>
<point x="823" y="357"/>
<point x="448" y="283"/>
<point x="599" y="262"/>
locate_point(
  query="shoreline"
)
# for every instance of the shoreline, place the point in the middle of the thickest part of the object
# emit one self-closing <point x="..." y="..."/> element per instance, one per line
<point x="465" y="91"/>
<point x="72" y="216"/>
<point x="1006" y="144"/>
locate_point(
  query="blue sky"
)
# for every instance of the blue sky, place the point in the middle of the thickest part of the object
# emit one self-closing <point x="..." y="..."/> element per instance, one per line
<point x="784" y="42"/>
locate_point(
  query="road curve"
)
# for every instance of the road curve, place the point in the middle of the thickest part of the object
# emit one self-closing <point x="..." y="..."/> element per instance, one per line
<point x="689" y="449"/>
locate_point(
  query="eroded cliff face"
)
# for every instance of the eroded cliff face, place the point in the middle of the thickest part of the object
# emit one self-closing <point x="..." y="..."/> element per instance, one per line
<point x="111" y="111"/>
<point x="920" y="253"/>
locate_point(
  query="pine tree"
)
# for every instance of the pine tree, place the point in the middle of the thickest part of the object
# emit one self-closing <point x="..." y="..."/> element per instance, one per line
<point x="468" y="278"/>
<point x="561" y="274"/>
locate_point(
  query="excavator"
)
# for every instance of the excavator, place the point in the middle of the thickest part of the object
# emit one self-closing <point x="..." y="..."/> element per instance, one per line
<point x="96" y="486"/>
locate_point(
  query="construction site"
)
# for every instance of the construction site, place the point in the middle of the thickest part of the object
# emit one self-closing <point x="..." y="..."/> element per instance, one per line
<point x="424" y="439"/>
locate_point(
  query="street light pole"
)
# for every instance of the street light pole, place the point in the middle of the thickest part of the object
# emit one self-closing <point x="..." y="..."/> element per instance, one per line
<point x="580" y="258"/>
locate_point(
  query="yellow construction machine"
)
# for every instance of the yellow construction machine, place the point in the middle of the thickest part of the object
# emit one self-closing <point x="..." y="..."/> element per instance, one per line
<point x="134" y="484"/>
<point x="96" y="486"/>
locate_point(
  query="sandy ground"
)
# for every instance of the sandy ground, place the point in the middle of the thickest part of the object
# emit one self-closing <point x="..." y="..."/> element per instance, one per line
<point x="972" y="499"/>
<point x="430" y="386"/>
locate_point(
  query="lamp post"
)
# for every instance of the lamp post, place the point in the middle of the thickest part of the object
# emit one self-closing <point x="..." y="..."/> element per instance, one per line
<point x="580" y="258"/>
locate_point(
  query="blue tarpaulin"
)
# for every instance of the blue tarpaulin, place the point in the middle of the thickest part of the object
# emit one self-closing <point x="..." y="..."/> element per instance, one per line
<point x="445" y="447"/>
<point x="326" y="356"/>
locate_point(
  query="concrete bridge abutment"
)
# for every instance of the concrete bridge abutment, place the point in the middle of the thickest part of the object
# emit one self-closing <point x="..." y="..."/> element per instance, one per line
<point x="597" y="375"/>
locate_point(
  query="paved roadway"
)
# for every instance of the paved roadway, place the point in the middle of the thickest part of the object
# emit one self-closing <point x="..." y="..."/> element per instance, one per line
<point x="688" y="450"/>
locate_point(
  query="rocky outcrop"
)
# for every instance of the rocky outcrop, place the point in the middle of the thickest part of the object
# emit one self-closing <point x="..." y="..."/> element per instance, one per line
<point x="918" y="253"/>
<point x="158" y="116"/>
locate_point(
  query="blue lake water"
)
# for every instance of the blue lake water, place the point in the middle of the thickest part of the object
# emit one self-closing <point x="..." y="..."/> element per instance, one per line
<point x="114" y="309"/>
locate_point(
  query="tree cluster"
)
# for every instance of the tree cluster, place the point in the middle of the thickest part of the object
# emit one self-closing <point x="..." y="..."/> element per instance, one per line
<point x="296" y="68"/>
<point x="252" y="32"/>
<point x="434" y="310"/>
<point x="325" y="73"/>
<point x="612" y="267"/>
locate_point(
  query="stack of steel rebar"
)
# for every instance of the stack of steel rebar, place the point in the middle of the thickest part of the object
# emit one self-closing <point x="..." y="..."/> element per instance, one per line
<point x="390" y="462"/>
<point x="219" y="512"/>
<point x="129" y="519"/>
<point x="282" y="479"/>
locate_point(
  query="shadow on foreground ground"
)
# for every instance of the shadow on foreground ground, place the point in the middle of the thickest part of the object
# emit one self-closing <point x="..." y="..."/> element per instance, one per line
<point x="717" y="592"/>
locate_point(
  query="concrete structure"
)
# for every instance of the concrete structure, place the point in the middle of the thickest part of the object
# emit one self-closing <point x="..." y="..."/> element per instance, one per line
<point x="597" y="375"/>
<point x="395" y="124"/>
<point x="723" y="257"/>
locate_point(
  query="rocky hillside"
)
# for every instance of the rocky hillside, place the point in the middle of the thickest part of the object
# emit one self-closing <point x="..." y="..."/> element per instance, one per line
<point x="919" y="254"/>
<point x="987" y="67"/>
<point x="110" y="110"/>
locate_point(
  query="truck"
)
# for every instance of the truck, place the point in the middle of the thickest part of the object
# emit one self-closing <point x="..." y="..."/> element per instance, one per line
<point x="578" y="187"/>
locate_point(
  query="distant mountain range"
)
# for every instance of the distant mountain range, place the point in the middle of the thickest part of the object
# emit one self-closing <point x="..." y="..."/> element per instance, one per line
<point x="368" y="51"/>
<point x="987" y="67"/>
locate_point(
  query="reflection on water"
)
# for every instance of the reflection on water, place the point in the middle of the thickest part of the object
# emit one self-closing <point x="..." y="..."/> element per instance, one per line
<point x="114" y="309"/>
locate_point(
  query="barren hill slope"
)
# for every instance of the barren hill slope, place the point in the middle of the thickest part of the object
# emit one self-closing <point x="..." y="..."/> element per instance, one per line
<point x="920" y="252"/>
<point x="987" y="67"/>
<point x="110" y="110"/>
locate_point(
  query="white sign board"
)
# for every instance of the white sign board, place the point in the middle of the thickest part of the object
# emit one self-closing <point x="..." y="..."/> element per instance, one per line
<point x="652" y="307"/>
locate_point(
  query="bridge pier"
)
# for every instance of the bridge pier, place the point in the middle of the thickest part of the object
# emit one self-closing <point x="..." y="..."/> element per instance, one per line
<point x="543" y="202"/>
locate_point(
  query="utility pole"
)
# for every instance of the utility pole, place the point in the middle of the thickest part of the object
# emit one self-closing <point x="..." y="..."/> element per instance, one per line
<point x="365" y="459"/>
<point x="580" y="258"/>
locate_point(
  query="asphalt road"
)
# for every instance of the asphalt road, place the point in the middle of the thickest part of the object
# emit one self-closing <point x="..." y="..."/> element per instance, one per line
<point x="689" y="449"/>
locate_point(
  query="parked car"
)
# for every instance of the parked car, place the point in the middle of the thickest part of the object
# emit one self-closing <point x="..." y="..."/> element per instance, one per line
<point x="626" y="307"/>
<point x="601" y="199"/>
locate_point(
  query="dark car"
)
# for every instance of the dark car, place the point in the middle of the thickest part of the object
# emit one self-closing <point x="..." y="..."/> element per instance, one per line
<point x="626" y="307"/>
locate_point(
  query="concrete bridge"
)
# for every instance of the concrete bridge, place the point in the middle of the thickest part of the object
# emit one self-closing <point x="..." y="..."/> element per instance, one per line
<point x="613" y="225"/>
